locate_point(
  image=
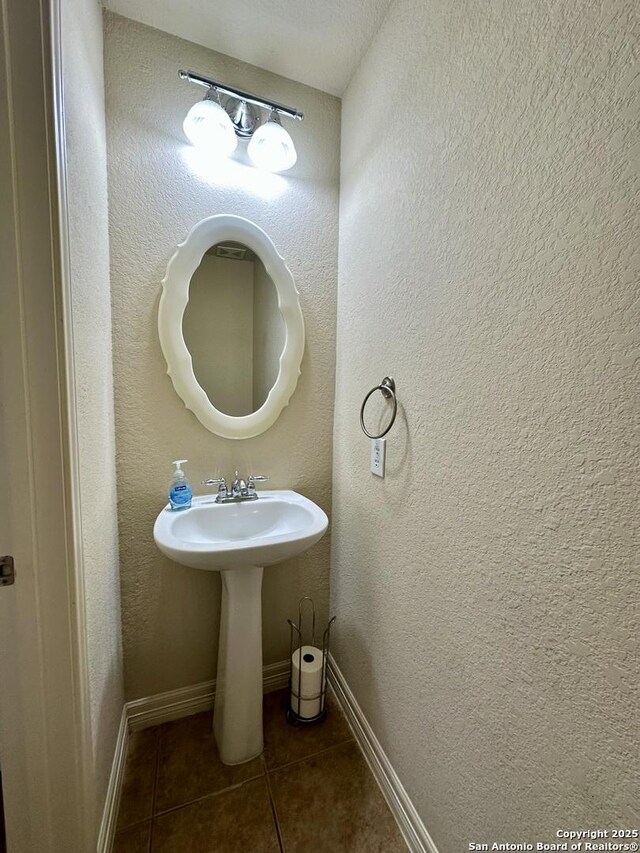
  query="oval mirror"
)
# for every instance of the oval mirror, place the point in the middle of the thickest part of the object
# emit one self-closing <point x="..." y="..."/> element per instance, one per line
<point x="231" y="327"/>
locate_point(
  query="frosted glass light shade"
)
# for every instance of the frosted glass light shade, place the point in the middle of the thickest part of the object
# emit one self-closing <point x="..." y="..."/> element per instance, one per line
<point x="272" y="148"/>
<point x="208" y="126"/>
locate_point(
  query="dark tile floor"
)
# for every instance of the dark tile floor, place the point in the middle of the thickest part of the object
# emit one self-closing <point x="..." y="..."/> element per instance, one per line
<point x="310" y="792"/>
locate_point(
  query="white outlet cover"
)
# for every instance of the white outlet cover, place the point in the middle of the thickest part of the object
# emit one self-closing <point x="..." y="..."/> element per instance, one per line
<point x="378" y="454"/>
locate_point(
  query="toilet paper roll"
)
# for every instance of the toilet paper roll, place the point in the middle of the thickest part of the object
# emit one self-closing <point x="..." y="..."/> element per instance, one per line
<point x="308" y="707"/>
<point x="306" y="673"/>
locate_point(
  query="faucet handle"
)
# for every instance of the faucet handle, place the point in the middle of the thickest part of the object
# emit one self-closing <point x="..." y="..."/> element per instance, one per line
<point x="252" y="479"/>
<point x="221" y="483"/>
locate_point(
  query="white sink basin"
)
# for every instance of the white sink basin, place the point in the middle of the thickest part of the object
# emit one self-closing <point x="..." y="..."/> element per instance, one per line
<point x="216" y="537"/>
<point x="238" y="540"/>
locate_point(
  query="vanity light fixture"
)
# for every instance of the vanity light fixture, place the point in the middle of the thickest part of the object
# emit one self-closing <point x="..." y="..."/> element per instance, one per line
<point x="217" y="126"/>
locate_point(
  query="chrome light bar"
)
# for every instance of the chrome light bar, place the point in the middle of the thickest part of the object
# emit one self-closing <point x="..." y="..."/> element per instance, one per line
<point x="240" y="95"/>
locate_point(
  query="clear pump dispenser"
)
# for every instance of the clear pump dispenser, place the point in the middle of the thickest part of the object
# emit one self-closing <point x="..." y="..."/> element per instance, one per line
<point x="180" y="494"/>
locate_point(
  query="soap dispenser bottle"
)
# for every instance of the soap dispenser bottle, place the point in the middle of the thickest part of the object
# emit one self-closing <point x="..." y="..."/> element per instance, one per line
<point x="180" y="493"/>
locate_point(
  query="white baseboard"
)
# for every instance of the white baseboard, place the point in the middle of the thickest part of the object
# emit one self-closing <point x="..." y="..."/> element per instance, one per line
<point x="414" y="831"/>
<point x="175" y="704"/>
<point x="107" y="831"/>
<point x="275" y="676"/>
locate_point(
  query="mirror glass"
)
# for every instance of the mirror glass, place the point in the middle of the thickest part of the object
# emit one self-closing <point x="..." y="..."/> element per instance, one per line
<point x="233" y="328"/>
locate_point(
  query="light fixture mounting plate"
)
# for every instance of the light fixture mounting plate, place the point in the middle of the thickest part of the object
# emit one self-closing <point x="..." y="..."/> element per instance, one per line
<point x="244" y="117"/>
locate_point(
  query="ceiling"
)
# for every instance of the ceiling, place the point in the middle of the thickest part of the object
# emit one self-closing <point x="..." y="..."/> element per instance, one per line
<point x="317" y="42"/>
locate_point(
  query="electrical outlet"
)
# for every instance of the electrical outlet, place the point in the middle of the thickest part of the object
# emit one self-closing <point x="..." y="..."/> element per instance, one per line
<point x="378" y="453"/>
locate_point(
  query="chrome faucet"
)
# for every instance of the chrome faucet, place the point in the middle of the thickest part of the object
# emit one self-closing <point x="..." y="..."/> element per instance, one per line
<point x="240" y="489"/>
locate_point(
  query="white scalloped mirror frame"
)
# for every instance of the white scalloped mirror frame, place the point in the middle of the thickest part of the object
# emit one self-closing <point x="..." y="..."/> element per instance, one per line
<point x="175" y="295"/>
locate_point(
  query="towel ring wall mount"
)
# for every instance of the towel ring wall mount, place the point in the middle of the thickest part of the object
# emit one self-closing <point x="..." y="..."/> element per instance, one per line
<point x="388" y="389"/>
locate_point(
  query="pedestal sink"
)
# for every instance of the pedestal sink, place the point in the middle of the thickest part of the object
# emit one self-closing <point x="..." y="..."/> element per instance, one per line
<point x="239" y="540"/>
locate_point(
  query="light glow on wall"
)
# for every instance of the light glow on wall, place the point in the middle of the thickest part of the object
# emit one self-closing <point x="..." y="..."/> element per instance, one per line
<point x="233" y="174"/>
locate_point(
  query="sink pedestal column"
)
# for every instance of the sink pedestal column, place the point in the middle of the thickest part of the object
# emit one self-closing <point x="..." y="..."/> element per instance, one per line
<point x="237" y="714"/>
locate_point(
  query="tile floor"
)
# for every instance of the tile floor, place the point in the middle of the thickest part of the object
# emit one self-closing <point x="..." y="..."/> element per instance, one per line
<point x="310" y="792"/>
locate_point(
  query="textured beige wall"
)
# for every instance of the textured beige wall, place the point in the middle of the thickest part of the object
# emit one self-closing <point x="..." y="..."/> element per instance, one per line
<point x="489" y="261"/>
<point x="157" y="192"/>
<point x="91" y="317"/>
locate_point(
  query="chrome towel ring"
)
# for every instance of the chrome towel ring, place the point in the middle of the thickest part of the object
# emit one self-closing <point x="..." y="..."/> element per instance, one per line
<point x="388" y="389"/>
